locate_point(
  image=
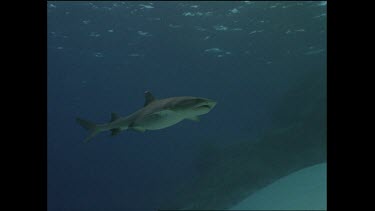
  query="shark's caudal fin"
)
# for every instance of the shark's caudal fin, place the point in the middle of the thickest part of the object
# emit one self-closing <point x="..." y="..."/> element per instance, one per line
<point x="91" y="127"/>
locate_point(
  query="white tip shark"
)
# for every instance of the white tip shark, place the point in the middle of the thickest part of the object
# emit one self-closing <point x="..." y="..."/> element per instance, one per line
<point x="154" y="115"/>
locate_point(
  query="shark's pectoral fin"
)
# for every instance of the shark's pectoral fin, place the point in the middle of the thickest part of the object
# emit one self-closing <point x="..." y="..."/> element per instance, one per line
<point x="135" y="127"/>
<point x="115" y="131"/>
<point x="138" y="129"/>
<point x="194" y="118"/>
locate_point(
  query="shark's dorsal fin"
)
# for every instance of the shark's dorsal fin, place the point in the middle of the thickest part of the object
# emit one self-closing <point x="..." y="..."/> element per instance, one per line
<point x="148" y="98"/>
<point x="114" y="116"/>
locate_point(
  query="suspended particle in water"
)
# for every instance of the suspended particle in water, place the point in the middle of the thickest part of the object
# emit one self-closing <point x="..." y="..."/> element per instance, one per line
<point x="94" y="34"/>
<point x="98" y="54"/>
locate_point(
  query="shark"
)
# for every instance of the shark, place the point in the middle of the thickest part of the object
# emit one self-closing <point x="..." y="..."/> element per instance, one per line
<point x="155" y="114"/>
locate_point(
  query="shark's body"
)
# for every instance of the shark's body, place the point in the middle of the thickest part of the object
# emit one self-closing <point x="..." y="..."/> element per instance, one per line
<point x="156" y="114"/>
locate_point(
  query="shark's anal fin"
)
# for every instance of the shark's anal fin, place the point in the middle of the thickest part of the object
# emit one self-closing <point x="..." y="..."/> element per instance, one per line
<point x="148" y="98"/>
<point x="114" y="116"/>
<point x="194" y="118"/>
<point x="115" y="131"/>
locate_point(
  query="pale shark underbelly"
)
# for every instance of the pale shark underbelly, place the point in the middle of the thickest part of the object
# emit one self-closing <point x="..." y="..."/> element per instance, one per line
<point x="159" y="121"/>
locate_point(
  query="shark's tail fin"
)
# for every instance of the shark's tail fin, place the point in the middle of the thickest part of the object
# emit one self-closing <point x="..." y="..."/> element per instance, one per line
<point x="91" y="127"/>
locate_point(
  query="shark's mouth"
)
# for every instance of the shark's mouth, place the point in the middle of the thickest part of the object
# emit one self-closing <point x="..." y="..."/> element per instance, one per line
<point x="204" y="106"/>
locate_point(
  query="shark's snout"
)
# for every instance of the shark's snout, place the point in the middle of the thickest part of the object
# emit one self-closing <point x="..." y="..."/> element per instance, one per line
<point x="211" y="104"/>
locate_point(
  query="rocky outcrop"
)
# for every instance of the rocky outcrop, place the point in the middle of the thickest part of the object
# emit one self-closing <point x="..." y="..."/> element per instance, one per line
<point x="297" y="140"/>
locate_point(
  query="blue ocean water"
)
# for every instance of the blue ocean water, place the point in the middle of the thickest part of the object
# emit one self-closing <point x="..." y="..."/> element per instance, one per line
<point x="102" y="56"/>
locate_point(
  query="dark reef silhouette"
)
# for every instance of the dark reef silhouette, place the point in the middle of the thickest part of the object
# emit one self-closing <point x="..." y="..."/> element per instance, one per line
<point x="297" y="140"/>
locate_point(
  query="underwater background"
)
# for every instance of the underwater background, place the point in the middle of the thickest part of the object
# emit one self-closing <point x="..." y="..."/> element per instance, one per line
<point x="263" y="62"/>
